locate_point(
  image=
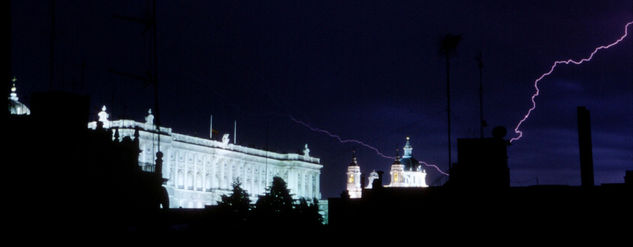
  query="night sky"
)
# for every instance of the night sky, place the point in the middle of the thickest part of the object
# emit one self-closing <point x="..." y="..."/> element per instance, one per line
<point x="368" y="70"/>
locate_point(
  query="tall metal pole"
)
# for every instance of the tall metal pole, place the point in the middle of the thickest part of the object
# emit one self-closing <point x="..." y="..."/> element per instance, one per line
<point x="449" y="45"/>
<point x="155" y="71"/>
<point x="448" y="107"/>
<point x="482" y="124"/>
<point x="52" y="47"/>
<point x="154" y="53"/>
<point x="7" y="70"/>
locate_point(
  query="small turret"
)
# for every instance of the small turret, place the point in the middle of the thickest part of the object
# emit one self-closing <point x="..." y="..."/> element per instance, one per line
<point x="397" y="171"/>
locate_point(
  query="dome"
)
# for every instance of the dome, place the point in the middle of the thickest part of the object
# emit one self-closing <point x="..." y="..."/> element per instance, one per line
<point x="16" y="107"/>
<point x="410" y="163"/>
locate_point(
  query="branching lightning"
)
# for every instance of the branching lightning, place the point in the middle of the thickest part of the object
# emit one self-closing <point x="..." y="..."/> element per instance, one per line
<point x="343" y="141"/>
<point x="516" y="129"/>
<point x="551" y="70"/>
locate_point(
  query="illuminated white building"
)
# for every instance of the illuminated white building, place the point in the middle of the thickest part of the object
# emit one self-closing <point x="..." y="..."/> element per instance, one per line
<point x="407" y="171"/>
<point x="200" y="170"/>
<point x="353" y="179"/>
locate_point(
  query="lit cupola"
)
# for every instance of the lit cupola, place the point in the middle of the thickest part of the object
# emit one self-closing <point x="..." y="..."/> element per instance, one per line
<point x="15" y="106"/>
<point x="410" y="163"/>
<point x="406" y="171"/>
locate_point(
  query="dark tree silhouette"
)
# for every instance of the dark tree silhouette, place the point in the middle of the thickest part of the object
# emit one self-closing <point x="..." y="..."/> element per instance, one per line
<point x="276" y="203"/>
<point x="236" y="206"/>
<point x="307" y="215"/>
<point x="276" y="212"/>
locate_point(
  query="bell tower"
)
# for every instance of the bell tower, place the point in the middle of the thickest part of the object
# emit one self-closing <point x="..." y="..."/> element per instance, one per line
<point x="397" y="172"/>
<point x="353" y="178"/>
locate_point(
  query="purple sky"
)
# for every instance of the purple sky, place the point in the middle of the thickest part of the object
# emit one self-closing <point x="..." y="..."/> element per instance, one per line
<point x="368" y="70"/>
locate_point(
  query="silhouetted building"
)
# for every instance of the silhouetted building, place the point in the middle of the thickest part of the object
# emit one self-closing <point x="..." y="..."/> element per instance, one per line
<point x="479" y="200"/>
<point x="481" y="162"/>
<point x="72" y="179"/>
<point x="438" y="209"/>
<point x="585" y="149"/>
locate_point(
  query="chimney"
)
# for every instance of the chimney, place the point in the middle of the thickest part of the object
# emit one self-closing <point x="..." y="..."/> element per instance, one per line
<point x="585" y="149"/>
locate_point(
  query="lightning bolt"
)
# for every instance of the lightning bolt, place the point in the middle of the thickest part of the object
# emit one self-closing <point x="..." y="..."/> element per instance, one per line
<point x="435" y="167"/>
<point x="551" y="70"/>
<point x="341" y="140"/>
<point x="344" y="141"/>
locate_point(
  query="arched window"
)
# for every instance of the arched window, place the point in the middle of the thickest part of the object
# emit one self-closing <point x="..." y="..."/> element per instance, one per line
<point x="199" y="182"/>
<point x="180" y="179"/>
<point x="306" y="190"/>
<point x="189" y="181"/>
<point x="207" y="182"/>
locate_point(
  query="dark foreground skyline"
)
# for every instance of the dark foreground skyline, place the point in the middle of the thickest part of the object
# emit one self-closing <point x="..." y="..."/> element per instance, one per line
<point x="364" y="70"/>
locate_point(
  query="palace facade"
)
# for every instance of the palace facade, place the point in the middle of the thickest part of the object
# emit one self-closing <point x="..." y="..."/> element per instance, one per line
<point x="200" y="170"/>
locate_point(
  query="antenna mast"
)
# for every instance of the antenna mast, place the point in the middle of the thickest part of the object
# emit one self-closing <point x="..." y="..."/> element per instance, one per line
<point x="152" y="78"/>
<point x="52" y="47"/>
<point x="482" y="122"/>
<point x="155" y="72"/>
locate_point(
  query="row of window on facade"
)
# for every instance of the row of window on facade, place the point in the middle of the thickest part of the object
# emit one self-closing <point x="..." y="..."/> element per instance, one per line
<point x="210" y="172"/>
<point x="254" y="183"/>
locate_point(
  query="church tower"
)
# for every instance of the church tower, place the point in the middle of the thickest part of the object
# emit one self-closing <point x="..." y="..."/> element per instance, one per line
<point x="353" y="178"/>
<point x="406" y="171"/>
<point x="397" y="172"/>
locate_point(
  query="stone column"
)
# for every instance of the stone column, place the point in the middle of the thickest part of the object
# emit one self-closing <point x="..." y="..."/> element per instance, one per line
<point x="318" y="185"/>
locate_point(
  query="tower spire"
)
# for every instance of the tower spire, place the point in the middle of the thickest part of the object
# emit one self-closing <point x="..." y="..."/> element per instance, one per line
<point x="354" y="161"/>
<point x="14" y="94"/>
<point x="408" y="150"/>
